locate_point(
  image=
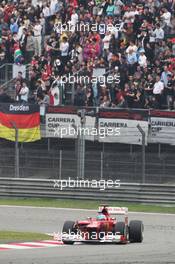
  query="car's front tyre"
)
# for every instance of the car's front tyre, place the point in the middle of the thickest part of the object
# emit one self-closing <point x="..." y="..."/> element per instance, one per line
<point x="68" y="228"/>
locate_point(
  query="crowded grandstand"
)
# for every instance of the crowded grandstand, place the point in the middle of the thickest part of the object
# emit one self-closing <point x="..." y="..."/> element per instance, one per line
<point x="130" y="43"/>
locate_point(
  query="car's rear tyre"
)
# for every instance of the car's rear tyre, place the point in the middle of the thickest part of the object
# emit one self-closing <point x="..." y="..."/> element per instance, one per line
<point x="68" y="228"/>
<point x="136" y="231"/>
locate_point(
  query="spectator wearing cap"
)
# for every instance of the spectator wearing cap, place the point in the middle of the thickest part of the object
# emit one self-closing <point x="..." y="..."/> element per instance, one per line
<point x="142" y="60"/>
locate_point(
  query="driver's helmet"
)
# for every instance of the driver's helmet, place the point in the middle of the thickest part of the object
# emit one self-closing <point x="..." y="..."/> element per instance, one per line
<point x="101" y="216"/>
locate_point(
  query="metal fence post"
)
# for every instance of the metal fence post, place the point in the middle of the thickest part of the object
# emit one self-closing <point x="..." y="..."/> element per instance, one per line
<point x="60" y="165"/>
<point x="131" y="149"/>
<point x="82" y="156"/>
<point x="78" y="156"/>
<point x="143" y="151"/>
<point x="16" y="149"/>
<point x="81" y="145"/>
<point x="61" y="94"/>
<point x="101" y="167"/>
<point x="159" y="150"/>
<point x="77" y="151"/>
<point x="102" y="161"/>
<point x="48" y="144"/>
<point x="72" y="93"/>
<point x="6" y="73"/>
<point x="16" y="153"/>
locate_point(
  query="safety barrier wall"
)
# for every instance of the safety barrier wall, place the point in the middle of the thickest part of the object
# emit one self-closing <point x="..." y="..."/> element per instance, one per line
<point x="126" y="192"/>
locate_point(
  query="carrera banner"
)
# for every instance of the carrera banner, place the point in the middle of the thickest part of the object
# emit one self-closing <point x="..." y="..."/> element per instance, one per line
<point x="162" y="127"/>
<point x="24" y="117"/>
<point x="65" y="122"/>
<point x="120" y="125"/>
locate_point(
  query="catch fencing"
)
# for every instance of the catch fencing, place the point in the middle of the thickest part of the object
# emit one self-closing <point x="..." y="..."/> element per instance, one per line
<point x="61" y="159"/>
<point x="6" y="73"/>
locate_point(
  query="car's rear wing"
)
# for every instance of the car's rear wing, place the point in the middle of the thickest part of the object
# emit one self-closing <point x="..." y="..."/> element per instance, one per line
<point x="115" y="210"/>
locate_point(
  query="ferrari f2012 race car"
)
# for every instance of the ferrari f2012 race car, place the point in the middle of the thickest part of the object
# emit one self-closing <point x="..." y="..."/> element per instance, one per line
<point x="104" y="228"/>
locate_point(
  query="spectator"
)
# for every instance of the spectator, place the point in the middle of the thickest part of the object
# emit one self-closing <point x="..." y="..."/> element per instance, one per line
<point x="64" y="48"/>
<point x="37" y="29"/>
<point x="132" y="61"/>
<point x="169" y="91"/>
<point x="166" y="16"/>
<point x="24" y="93"/>
<point x="14" y="26"/>
<point x="148" y="90"/>
<point x="164" y="76"/>
<point x="18" y="57"/>
<point x="158" y="33"/>
<point x="110" y="9"/>
<point x="158" y="90"/>
<point x="142" y="60"/>
<point x="30" y="47"/>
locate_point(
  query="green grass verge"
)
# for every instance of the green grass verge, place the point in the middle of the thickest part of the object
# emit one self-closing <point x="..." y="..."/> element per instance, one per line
<point x="10" y="236"/>
<point x="85" y="204"/>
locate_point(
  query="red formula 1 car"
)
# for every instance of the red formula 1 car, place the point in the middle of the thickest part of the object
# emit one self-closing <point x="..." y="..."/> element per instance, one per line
<point x="104" y="228"/>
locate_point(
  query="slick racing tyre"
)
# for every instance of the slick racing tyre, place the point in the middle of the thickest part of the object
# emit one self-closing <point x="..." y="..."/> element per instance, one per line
<point x="136" y="231"/>
<point x="68" y="228"/>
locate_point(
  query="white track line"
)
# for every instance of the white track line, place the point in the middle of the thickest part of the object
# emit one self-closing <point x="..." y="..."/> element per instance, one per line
<point x="77" y="209"/>
<point x="42" y="244"/>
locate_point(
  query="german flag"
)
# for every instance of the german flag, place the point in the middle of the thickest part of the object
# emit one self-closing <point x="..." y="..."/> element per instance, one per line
<point x="24" y="117"/>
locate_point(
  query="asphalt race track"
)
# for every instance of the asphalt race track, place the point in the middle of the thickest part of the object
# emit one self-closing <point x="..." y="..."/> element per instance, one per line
<point x="158" y="245"/>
